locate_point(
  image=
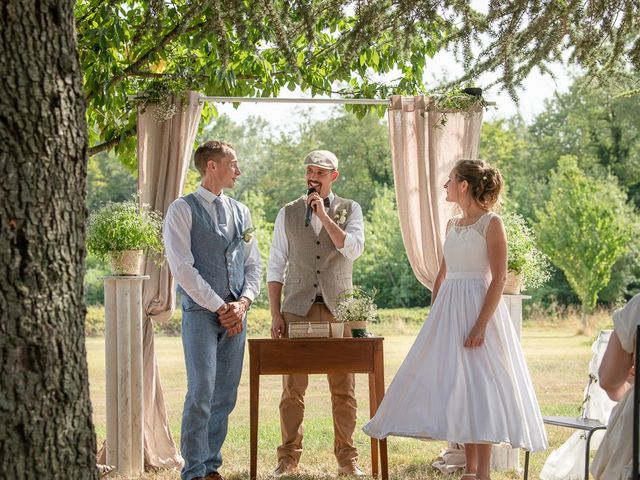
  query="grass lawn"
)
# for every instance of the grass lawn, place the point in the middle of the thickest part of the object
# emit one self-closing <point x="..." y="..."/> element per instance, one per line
<point x="557" y="358"/>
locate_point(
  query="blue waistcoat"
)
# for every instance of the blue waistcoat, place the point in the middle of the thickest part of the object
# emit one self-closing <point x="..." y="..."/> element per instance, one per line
<point x="219" y="261"/>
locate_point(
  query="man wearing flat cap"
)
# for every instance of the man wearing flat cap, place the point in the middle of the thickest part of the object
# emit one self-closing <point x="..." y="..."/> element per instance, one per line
<point x="317" y="257"/>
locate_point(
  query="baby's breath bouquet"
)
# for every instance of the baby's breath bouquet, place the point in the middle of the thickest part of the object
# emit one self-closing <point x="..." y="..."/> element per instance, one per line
<point x="356" y="306"/>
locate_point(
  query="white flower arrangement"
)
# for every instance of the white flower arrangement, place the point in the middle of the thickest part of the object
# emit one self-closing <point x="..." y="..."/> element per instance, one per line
<point x="341" y="216"/>
<point x="356" y="306"/>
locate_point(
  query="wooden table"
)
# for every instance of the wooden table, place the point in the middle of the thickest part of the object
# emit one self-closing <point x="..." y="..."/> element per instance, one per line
<point x="317" y="355"/>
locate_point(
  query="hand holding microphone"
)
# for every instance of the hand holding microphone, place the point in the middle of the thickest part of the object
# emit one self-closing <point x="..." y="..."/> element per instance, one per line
<point x="307" y="215"/>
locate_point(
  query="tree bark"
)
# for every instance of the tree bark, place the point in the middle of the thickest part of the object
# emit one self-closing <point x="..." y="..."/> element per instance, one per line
<point x="46" y="429"/>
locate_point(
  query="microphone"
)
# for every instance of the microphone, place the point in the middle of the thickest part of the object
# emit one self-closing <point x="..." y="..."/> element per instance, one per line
<point x="307" y="214"/>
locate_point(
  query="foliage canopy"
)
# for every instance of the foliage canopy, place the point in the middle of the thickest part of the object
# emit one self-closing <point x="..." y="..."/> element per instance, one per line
<point x="257" y="48"/>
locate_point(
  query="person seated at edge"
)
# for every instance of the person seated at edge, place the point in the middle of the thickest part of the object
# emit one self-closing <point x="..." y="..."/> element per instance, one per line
<point x="613" y="460"/>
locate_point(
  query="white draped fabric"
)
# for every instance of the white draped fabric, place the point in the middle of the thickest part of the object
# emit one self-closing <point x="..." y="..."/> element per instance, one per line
<point x="425" y="145"/>
<point x="164" y="150"/>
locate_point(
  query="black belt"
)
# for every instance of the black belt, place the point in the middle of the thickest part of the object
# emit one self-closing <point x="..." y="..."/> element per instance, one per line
<point x="319" y="299"/>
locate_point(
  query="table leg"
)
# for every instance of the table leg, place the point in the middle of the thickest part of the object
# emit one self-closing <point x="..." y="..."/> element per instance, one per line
<point x="373" y="406"/>
<point x="254" y="395"/>
<point x="378" y="371"/>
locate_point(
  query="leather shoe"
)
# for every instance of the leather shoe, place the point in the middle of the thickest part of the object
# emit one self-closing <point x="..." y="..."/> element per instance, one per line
<point x="214" y="476"/>
<point x="350" y="469"/>
<point x="284" y="468"/>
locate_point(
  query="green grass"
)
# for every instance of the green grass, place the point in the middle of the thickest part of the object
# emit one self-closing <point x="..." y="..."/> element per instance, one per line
<point x="557" y="358"/>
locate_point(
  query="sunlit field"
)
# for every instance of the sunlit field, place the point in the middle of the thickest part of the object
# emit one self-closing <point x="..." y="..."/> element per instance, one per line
<point x="557" y="356"/>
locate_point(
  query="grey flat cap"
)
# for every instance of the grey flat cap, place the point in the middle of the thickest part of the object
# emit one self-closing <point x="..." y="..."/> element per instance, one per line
<point x="322" y="159"/>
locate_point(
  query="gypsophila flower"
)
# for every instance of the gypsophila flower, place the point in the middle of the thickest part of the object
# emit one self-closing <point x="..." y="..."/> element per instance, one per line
<point x="356" y="305"/>
<point x="165" y="109"/>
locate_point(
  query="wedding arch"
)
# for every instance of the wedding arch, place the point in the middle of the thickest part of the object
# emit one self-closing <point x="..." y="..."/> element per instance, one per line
<point x="423" y="148"/>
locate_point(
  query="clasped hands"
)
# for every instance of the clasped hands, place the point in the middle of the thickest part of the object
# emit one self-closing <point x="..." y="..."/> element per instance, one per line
<point x="230" y="316"/>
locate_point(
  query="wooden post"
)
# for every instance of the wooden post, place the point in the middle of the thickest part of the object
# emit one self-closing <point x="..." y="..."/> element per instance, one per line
<point x="123" y="366"/>
<point x="503" y="457"/>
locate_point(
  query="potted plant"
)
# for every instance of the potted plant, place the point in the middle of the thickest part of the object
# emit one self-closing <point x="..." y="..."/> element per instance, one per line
<point x="122" y="232"/>
<point x="527" y="266"/>
<point x="356" y="308"/>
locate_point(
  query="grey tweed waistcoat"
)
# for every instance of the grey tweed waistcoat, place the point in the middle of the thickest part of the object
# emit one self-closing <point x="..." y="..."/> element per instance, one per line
<point x="315" y="265"/>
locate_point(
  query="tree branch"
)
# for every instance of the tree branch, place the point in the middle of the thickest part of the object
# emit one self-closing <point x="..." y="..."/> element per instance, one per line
<point x="143" y="74"/>
<point x="108" y="145"/>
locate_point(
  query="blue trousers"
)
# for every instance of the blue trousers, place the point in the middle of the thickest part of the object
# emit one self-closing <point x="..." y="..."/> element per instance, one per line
<point x="214" y="365"/>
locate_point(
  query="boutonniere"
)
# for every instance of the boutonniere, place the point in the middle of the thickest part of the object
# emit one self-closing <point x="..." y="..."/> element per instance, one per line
<point x="341" y="216"/>
<point x="247" y="235"/>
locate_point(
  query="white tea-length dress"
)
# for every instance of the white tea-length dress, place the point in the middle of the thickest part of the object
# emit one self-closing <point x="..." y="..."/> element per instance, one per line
<point x="444" y="391"/>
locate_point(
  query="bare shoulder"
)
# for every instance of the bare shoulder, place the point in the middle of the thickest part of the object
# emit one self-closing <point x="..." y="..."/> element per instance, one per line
<point x="495" y="219"/>
<point x="495" y="226"/>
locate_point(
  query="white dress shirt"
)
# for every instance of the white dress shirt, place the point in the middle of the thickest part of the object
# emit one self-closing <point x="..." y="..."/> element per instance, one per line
<point x="279" y="254"/>
<point x="177" y="242"/>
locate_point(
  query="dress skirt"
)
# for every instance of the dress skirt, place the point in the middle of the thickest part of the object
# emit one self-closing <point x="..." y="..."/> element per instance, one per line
<point x="444" y="391"/>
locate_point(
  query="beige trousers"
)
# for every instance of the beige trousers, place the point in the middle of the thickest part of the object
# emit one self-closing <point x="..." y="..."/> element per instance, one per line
<point x="343" y="401"/>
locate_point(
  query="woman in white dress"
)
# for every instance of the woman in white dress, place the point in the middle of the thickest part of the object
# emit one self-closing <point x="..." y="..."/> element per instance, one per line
<point x="465" y="379"/>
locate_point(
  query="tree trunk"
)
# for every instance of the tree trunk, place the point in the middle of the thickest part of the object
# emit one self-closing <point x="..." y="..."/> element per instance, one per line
<point x="46" y="429"/>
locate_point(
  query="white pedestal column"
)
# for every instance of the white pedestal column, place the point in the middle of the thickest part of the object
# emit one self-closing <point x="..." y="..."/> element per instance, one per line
<point x="505" y="457"/>
<point x="123" y="367"/>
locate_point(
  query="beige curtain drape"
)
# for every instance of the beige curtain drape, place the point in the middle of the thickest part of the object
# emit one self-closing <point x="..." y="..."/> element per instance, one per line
<point x="164" y="150"/>
<point x="424" y="148"/>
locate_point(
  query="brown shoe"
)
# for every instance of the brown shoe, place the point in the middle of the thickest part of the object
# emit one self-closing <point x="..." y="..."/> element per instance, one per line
<point x="351" y="470"/>
<point x="284" y="468"/>
<point x="214" y="476"/>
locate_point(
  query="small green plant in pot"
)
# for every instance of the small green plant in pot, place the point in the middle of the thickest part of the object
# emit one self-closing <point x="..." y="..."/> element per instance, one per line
<point x="122" y="232"/>
<point x="527" y="266"/>
<point x="357" y="309"/>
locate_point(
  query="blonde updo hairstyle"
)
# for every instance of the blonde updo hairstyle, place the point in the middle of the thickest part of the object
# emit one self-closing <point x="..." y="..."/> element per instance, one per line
<point x="485" y="182"/>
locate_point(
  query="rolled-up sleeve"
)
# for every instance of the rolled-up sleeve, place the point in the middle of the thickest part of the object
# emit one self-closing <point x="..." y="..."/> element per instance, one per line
<point x="354" y="230"/>
<point x="279" y="253"/>
<point x="625" y="321"/>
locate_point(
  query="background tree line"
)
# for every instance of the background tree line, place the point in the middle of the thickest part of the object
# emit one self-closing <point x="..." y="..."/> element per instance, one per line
<point x="588" y="141"/>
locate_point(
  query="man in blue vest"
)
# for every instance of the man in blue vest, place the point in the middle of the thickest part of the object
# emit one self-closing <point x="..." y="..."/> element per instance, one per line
<point x="216" y="263"/>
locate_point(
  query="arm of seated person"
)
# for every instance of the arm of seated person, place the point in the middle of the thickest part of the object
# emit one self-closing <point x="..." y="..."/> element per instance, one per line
<point x="615" y="369"/>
